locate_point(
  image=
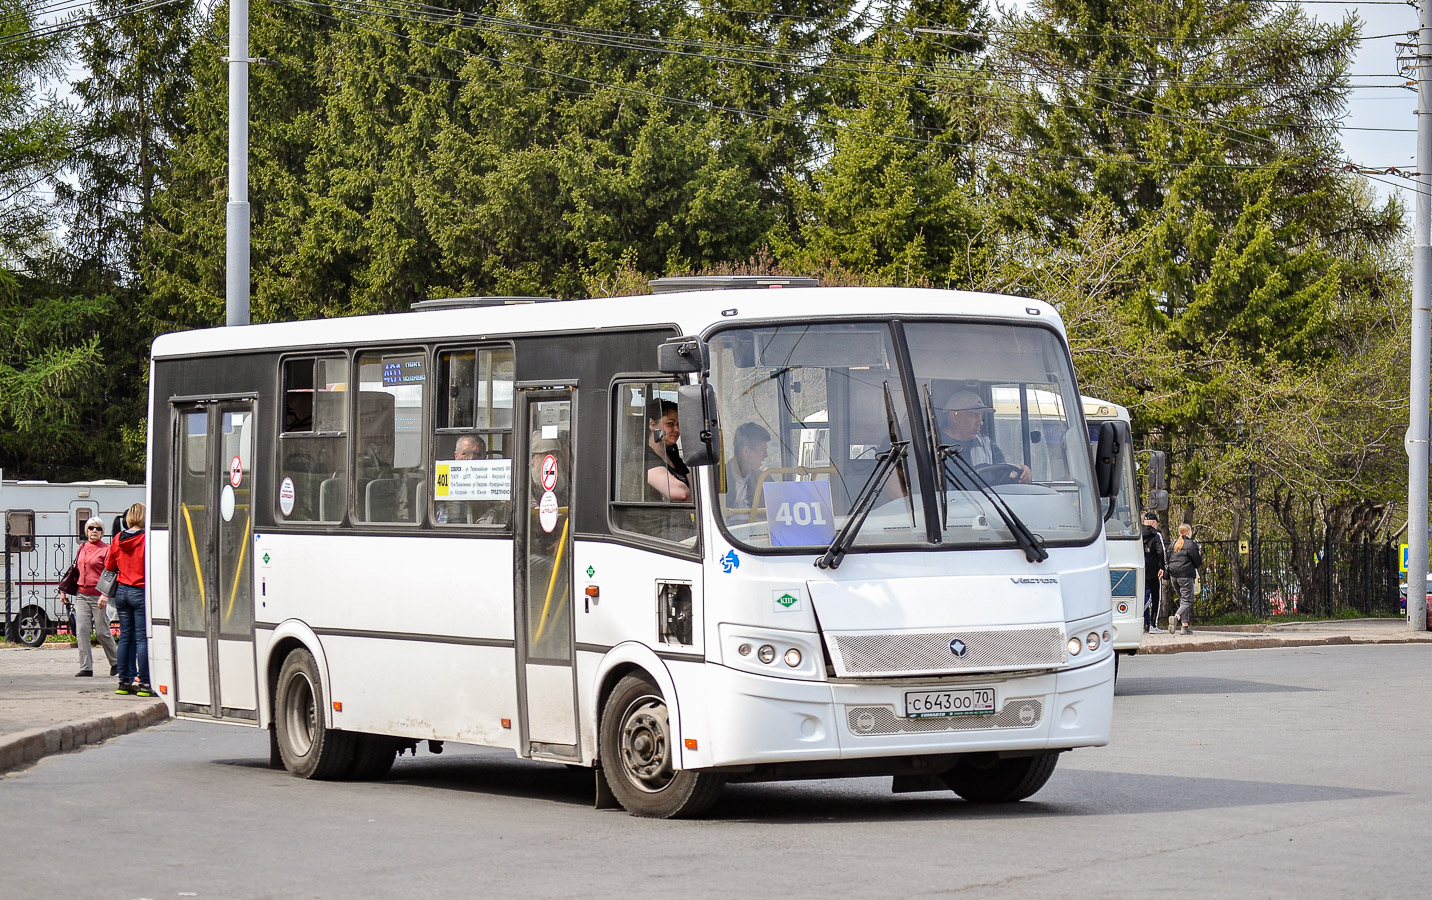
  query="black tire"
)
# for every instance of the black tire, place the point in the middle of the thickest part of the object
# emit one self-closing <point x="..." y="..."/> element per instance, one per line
<point x="31" y="626"/>
<point x="373" y="756"/>
<point x="987" y="779"/>
<point x="309" y="749"/>
<point x="637" y="756"/>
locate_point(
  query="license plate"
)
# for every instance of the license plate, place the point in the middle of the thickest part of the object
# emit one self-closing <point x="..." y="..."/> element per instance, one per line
<point x="963" y="702"/>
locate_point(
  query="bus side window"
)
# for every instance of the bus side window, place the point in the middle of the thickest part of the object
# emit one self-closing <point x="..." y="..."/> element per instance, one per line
<point x="313" y="442"/>
<point x="470" y="479"/>
<point x="651" y="487"/>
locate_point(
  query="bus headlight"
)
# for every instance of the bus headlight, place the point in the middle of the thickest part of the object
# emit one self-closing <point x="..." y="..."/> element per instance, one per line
<point x="1092" y="641"/>
<point x="761" y="650"/>
<point x="1075" y="646"/>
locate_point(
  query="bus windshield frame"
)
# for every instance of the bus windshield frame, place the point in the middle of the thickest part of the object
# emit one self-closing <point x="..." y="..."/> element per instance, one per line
<point x="790" y="396"/>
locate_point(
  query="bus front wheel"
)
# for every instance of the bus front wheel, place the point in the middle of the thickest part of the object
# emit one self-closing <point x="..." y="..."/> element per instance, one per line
<point x="309" y="749"/>
<point x="987" y="779"/>
<point x="638" y="759"/>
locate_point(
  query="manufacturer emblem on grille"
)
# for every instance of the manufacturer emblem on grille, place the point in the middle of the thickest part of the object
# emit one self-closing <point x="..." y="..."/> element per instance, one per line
<point x="864" y="723"/>
<point x="959" y="648"/>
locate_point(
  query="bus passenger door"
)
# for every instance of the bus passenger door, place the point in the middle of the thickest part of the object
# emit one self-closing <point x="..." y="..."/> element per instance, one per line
<point x="542" y="476"/>
<point x="212" y="520"/>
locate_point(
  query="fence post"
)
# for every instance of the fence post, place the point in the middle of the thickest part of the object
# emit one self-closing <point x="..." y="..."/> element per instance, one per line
<point x="9" y="623"/>
<point x="1328" y="572"/>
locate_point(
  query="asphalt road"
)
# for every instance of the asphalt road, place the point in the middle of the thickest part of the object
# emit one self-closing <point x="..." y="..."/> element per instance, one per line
<point x="1265" y="773"/>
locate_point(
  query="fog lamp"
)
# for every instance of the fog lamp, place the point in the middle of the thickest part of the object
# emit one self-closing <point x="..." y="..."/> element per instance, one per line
<point x="766" y="654"/>
<point x="793" y="657"/>
<point x="1075" y="646"/>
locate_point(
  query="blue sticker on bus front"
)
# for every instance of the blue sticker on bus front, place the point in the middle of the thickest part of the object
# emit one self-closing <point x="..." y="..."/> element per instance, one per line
<point x="800" y="513"/>
<point x="730" y="562"/>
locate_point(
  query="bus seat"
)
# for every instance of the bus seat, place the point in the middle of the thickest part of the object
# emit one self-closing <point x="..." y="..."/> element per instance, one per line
<point x="382" y="501"/>
<point x="332" y="498"/>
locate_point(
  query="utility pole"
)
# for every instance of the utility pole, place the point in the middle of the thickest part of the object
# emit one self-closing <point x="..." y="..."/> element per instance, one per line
<point x="1417" y="427"/>
<point x="236" y="251"/>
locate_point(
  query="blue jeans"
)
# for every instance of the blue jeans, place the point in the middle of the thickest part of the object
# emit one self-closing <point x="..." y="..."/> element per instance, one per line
<point x="1151" y="601"/>
<point x="133" y="642"/>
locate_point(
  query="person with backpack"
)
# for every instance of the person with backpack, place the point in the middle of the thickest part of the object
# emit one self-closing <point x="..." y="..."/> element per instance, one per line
<point x="1154" y="563"/>
<point x="1183" y="564"/>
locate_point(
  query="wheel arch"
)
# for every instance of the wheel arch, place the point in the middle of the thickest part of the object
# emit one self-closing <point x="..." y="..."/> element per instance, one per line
<point x="632" y="658"/>
<point x="287" y="637"/>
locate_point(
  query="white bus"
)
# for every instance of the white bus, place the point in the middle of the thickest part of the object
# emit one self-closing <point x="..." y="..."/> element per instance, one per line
<point x="47" y="524"/>
<point x="447" y="525"/>
<point x="1123" y="527"/>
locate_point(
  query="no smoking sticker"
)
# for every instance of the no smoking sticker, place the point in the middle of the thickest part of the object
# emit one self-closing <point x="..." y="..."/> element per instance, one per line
<point x="236" y="471"/>
<point x="549" y="472"/>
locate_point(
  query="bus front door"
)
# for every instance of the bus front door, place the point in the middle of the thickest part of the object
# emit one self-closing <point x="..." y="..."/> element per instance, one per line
<point x="214" y="665"/>
<point x="542" y="484"/>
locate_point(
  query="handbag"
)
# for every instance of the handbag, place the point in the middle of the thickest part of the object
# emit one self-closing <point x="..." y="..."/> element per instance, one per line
<point x="70" y="581"/>
<point x="107" y="582"/>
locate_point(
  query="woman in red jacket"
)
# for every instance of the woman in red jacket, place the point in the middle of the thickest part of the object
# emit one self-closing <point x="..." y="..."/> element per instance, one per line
<point x="126" y="555"/>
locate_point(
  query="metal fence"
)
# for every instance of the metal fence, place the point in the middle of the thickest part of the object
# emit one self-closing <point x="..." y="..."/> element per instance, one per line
<point x="1309" y="577"/>
<point x="31" y="602"/>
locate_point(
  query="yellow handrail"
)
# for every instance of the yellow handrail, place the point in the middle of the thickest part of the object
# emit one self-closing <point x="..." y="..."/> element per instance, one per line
<point x="243" y="549"/>
<point x="552" y="582"/>
<point x="194" y="548"/>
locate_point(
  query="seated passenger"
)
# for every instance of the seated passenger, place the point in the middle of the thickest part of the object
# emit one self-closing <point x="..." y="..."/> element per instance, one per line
<point x="667" y="476"/>
<point x="743" y="470"/>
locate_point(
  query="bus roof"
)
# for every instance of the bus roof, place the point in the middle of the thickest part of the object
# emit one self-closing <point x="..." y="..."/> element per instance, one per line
<point x="1094" y="408"/>
<point x="691" y="312"/>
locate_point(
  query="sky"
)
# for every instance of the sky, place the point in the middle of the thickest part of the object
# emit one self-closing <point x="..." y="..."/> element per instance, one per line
<point x="1380" y="108"/>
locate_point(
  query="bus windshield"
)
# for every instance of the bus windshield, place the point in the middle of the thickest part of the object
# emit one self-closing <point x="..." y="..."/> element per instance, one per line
<point x="808" y="411"/>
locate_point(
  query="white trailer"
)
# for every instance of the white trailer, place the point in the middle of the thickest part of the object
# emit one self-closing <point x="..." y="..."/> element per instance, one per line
<point x="45" y="523"/>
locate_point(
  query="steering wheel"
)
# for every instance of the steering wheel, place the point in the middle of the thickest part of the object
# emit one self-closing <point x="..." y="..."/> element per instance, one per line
<point x="1001" y="473"/>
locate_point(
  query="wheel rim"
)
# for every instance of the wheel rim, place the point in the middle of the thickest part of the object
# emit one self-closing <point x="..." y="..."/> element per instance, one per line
<point x="31" y="628"/>
<point x="300" y="713"/>
<point x="645" y="745"/>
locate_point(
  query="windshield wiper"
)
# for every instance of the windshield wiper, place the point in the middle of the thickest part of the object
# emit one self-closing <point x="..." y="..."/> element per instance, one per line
<point x="1031" y="543"/>
<point x="933" y="427"/>
<point x="893" y="458"/>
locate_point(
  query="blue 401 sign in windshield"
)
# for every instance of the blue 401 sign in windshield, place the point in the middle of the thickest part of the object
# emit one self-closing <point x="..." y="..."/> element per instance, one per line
<point x="801" y="513"/>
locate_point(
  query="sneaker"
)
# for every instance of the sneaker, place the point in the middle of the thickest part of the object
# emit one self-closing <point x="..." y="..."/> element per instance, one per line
<point x="84" y="673"/>
<point x="1154" y="629"/>
<point x="144" y="691"/>
<point x="1173" y="624"/>
<point x="113" y="671"/>
<point x="1186" y="630"/>
<point x="124" y="688"/>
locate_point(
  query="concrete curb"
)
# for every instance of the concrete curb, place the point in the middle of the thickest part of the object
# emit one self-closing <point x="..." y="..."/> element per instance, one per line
<point x="1254" y="643"/>
<point x="26" y="747"/>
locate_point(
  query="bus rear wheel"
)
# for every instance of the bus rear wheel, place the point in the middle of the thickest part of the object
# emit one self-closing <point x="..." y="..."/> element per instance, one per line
<point x="988" y="779"/>
<point x="638" y="759"/>
<point x="309" y="749"/>
<point x="373" y="756"/>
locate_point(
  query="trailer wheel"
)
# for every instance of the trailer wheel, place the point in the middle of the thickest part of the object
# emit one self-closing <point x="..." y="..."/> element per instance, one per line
<point x="309" y="749"/>
<point x="31" y="626"/>
<point x="987" y="779"/>
<point x="638" y="760"/>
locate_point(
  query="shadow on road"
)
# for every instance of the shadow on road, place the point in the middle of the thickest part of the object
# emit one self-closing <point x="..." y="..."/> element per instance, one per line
<point x="1070" y="793"/>
<point x="1166" y="685"/>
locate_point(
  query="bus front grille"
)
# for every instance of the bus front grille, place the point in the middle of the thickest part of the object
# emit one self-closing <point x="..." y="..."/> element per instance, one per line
<point x="946" y="653"/>
<point x="874" y="720"/>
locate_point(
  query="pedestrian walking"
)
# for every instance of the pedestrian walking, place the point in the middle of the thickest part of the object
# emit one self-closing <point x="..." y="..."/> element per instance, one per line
<point x="1183" y="564"/>
<point x="126" y="556"/>
<point x="89" y="603"/>
<point x="1155" y="560"/>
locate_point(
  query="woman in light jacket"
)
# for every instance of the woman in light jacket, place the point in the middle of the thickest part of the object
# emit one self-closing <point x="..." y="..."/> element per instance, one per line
<point x="1184" y="561"/>
<point x="126" y="555"/>
<point x="89" y="602"/>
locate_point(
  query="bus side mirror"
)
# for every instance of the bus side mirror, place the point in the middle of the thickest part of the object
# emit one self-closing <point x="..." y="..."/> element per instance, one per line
<point x="20" y="530"/>
<point x="1157" y="480"/>
<point x="696" y="415"/>
<point x="681" y="356"/>
<point x="1158" y="500"/>
<point x="1106" y="460"/>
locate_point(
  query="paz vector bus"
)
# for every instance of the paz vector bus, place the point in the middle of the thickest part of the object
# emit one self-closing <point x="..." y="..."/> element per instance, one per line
<point x="703" y="536"/>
